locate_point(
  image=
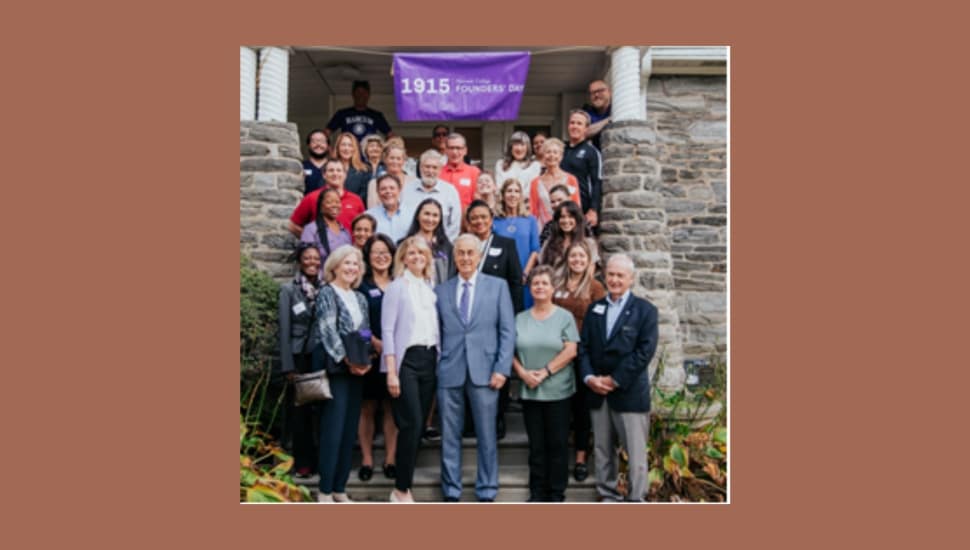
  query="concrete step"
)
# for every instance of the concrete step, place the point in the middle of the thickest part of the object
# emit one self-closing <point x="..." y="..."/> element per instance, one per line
<point x="513" y="486"/>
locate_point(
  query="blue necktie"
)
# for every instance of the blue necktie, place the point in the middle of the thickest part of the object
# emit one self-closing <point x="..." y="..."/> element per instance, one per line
<point x="463" y="303"/>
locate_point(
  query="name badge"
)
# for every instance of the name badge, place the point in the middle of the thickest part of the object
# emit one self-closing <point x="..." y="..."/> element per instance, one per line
<point x="562" y="294"/>
<point x="307" y="171"/>
<point x="464" y="182"/>
<point x="299" y="308"/>
<point x="571" y="189"/>
<point x="599" y="309"/>
<point x="375" y="293"/>
<point x="494" y="251"/>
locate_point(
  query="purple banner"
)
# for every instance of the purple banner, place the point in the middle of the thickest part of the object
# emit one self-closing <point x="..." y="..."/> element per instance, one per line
<point x="459" y="86"/>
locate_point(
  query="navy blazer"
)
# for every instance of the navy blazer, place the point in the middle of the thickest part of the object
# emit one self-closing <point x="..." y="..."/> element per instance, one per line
<point x="502" y="261"/>
<point x="624" y="355"/>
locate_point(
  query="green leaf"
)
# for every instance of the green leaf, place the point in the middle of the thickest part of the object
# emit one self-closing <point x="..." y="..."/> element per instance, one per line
<point x="262" y="494"/>
<point x="655" y="476"/>
<point x="247" y="478"/>
<point x="714" y="453"/>
<point x="720" y="435"/>
<point x="679" y="454"/>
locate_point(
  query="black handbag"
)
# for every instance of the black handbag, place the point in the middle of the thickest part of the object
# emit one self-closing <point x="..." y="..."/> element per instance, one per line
<point x="357" y="347"/>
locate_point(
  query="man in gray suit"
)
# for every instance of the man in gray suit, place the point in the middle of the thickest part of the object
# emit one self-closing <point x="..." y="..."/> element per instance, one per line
<point x="477" y="341"/>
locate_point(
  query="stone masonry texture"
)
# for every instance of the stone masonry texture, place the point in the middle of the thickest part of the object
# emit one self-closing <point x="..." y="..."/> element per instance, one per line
<point x="270" y="186"/>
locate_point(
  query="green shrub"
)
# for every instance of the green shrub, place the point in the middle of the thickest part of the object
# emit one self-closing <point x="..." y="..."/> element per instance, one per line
<point x="258" y="302"/>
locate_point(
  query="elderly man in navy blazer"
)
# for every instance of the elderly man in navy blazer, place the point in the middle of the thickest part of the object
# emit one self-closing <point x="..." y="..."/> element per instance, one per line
<point x="477" y="342"/>
<point x="618" y="340"/>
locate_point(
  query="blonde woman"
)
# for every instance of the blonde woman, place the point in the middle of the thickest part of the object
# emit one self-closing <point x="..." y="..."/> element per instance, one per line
<point x="394" y="158"/>
<point x="486" y="190"/>
<point x="409" y="326"/>
<point x="341" y="311"/>
<point x="515" y="222"/>
<point x="373" y="148"/>
<point x="347" y="151"/>
<point x="539" y="201"/>
<point x="576" y="289"/>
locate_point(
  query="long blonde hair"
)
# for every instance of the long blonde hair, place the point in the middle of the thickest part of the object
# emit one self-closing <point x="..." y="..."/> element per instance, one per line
<point x="586" y="279"/>
<point x="503" y="211"/>
<point x="354" y="157"/>
<point x="418" y="242"/>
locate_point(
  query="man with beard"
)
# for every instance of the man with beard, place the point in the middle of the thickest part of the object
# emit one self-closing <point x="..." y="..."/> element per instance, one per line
<point x="318" y="149"/>
<point x="599" y="109"/>
<point x="431" y="187"/>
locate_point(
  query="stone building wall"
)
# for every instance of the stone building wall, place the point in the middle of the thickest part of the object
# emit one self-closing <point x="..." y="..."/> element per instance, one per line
<point x="270" y="186"/>
<point x="689" y="117"/>
<point x="665" y="203"/>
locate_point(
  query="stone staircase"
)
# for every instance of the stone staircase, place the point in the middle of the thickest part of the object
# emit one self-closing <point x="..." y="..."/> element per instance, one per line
<point x="513" y="460"/>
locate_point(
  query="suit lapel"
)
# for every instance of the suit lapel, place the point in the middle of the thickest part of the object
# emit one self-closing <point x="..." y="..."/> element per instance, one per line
<point x="622" y="319"/>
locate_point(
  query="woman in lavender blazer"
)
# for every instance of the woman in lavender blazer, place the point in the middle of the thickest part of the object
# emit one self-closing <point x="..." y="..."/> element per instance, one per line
<point x="409" y="328"/>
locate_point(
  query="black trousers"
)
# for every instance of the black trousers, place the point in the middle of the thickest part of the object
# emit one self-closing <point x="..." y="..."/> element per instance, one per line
<point x="580" y="409"/>
<point x="305" y="424"/>
<point x="547" y="425"/>
<point x="416" y="373"/>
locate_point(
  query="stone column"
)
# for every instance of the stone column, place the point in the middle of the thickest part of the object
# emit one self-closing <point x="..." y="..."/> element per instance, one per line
<point x="634" y="221"/>
<point x="273" y="80"/>
<point x="625" y="74"/>
<point x="270" y="186"/>
<point x="247" y="83"/>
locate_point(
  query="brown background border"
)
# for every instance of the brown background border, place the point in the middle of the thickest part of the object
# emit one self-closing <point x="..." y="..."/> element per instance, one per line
<point x="132" y="442"/>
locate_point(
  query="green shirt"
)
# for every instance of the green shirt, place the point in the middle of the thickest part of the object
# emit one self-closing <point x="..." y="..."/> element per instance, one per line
<point x="537" y="343"/>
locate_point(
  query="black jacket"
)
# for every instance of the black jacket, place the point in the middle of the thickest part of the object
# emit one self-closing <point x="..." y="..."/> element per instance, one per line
<point x="624" y="355"/>
<point x="502" y="261"/>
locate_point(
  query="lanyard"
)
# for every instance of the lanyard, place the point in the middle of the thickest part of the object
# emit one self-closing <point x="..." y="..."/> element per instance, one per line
<point x="488" y="245"/>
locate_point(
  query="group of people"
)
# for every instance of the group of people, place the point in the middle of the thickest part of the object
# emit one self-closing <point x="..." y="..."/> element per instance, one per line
<point x="461" y="279"/>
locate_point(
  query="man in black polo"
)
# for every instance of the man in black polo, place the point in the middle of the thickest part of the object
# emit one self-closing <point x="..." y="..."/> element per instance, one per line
<point x="583" y="160"/>
<point x="318" y="150"/>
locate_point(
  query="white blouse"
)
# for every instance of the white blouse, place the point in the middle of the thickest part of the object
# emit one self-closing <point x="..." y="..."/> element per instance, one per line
<point x="424" y="330"/>
<point x="349" y="298"/>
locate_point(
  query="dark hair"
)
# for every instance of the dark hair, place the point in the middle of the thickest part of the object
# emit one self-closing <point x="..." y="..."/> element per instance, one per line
<point x="561" y="188"/>
<point x="364" y="216"/>
<point x="360" y="84"/>
<point x="321" y="223"/>
<point x="301" y="247"/>
<point x="369" y="272"/>
<point x="384" y="176"/>
<point x="554" y="251"/>
<point x="435" y="130"/>
<point x="315" y="131"/>
<point x="477" y="203"/>
<point x="441" y="241"/>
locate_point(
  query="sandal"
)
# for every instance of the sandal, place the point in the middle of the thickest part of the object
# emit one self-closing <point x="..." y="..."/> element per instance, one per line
<point x="580" y="471"/>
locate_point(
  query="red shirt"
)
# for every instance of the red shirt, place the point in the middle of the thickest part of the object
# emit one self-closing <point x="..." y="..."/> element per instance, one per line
<point x="306" y="211"/>
<point x="464" y="178"/>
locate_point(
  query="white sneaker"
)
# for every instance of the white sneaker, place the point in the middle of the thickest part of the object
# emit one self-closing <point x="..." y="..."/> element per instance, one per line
<point x="323" y="497"/>
<point x="341" y="497"/>
<point x="394" y="496"/>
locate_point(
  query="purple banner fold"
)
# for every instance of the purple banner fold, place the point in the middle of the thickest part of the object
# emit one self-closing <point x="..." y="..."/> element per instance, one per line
<point x="459" y="86"/>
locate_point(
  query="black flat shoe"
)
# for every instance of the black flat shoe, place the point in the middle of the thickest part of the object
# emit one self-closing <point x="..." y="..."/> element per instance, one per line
<point x="365" y="473"/>
<point x="580" y="471"/>
<point x="390" y="471"/>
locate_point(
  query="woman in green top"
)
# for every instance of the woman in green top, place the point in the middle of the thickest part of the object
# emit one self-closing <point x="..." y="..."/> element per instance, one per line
<point x="545" y="345"/>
